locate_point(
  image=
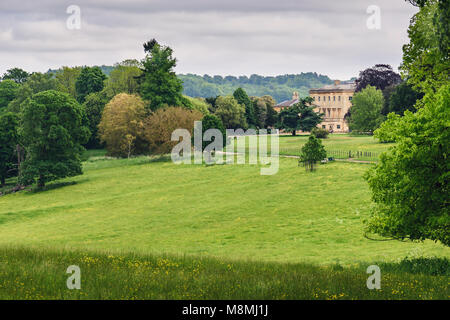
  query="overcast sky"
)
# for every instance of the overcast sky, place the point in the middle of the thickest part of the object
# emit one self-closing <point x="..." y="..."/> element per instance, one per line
<point x="237" y="37"/>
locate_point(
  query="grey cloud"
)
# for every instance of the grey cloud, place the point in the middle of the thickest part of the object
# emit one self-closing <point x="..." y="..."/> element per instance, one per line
<point x="237" y="37"/>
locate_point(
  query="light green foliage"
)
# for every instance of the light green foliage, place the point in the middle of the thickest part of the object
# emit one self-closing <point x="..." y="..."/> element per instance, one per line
<point x="231" y="113"/>
<point x="366" y="110"/>
<point x="8" y="142"/>
<point x="410" y="185"/>
<point x="90" y="80"/>
<point x="312" y="151"/>
<point x="124" y="78"/>
<point x="199" y="104"/>
<point x="425" y="57"/>
<point x="387" y="132"/>
<point x="52" y="130"/>
<point x="8" y="91"/>
<point x="66" y="78"/>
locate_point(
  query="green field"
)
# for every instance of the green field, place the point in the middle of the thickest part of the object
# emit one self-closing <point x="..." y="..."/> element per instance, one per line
<point x="150" y="208"/>
<point x="337" y="146"/>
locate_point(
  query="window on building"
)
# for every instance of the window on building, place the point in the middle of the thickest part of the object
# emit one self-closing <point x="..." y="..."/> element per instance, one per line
<point x="339" y="98"/>
<point x="350" y="98"/>
<point x="338" y="126"/>
<point x="324" y="98"/>
<point x="334" y="98"/>
<point x="329" y="98"/>
<point x="319" y="98"/>
<point x="324" y="126"/>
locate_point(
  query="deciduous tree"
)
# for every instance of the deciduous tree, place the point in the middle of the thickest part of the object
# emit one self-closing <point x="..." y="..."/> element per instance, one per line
<point x="123" y="121"/>
<point x="366" y="110"/>
<point x="52" y="131"/>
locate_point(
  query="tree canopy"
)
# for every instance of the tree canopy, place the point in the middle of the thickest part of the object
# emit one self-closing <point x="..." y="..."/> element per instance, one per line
<point x="300" y="116"/>
<point x="158" y="83"/>
<point x="52" y="131"/>
<point x="366" y="110"/>
<point x="410" y="184"/>
<point x="311" y="152"/>
<point x="18" y="75"/>
<point x="379" y="76"/>
<point x="8" y="141"/>
<point x="90" y="80"/>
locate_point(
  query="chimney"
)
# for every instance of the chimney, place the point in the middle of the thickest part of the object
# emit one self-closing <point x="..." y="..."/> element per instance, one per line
<point x="337" y="82"/>
<point x="295" y="96"/>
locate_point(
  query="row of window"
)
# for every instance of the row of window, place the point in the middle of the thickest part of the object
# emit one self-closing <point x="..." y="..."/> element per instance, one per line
<point x="334" y="98"/>
<point x="331" y="126"/>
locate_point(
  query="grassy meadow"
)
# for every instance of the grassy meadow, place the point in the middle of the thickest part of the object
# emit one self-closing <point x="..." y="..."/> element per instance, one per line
<point x="147" y="228"/>
<point x="337" y="145"/>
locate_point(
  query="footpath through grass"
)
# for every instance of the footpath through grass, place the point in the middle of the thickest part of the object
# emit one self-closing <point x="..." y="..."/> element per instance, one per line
<point x="41" y="274"/>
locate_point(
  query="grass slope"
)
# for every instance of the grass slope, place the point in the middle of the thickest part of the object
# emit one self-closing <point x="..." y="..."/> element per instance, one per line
<point x="230" y="211"/>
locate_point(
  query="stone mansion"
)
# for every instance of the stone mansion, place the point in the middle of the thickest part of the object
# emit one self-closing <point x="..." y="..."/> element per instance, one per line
<point x="333" y="101"/>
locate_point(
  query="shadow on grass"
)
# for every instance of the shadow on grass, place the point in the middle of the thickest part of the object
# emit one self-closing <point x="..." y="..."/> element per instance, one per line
<point x="52" y="186"/>
<point x="433" y="266"/>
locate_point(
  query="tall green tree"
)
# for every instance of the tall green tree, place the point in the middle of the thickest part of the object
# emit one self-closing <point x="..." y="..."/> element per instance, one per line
<point x="52" y="131"/>
<point x="18" y="75"/>
<point x="425" y="58"/>
<point x="410" y="184"/>
<point x="8" y="91"/>
<point x="242" y="98"/>
<point x="231" y="113"/>
<point x="300" y="116"/>
<point x="90" y="80"/>
<point x="159" y="84"/>
<point x="8" y="142"/>
<point x="366" y="110"/>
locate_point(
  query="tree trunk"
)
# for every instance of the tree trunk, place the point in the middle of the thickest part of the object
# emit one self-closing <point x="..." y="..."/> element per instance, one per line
<point x="294" y="132"/>
<point x="2" y="181"/>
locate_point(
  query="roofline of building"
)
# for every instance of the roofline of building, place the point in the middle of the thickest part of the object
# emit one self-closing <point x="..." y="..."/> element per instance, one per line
<point x="330" y="90"/>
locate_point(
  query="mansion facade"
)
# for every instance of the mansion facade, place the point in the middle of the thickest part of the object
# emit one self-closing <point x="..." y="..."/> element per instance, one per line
<point x="334" y="101"/>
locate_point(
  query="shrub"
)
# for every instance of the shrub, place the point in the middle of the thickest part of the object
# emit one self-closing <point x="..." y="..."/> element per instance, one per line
<point x="312" y="151"/>
<point x="320" y="133"/>
<point x="160" y="125"/>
